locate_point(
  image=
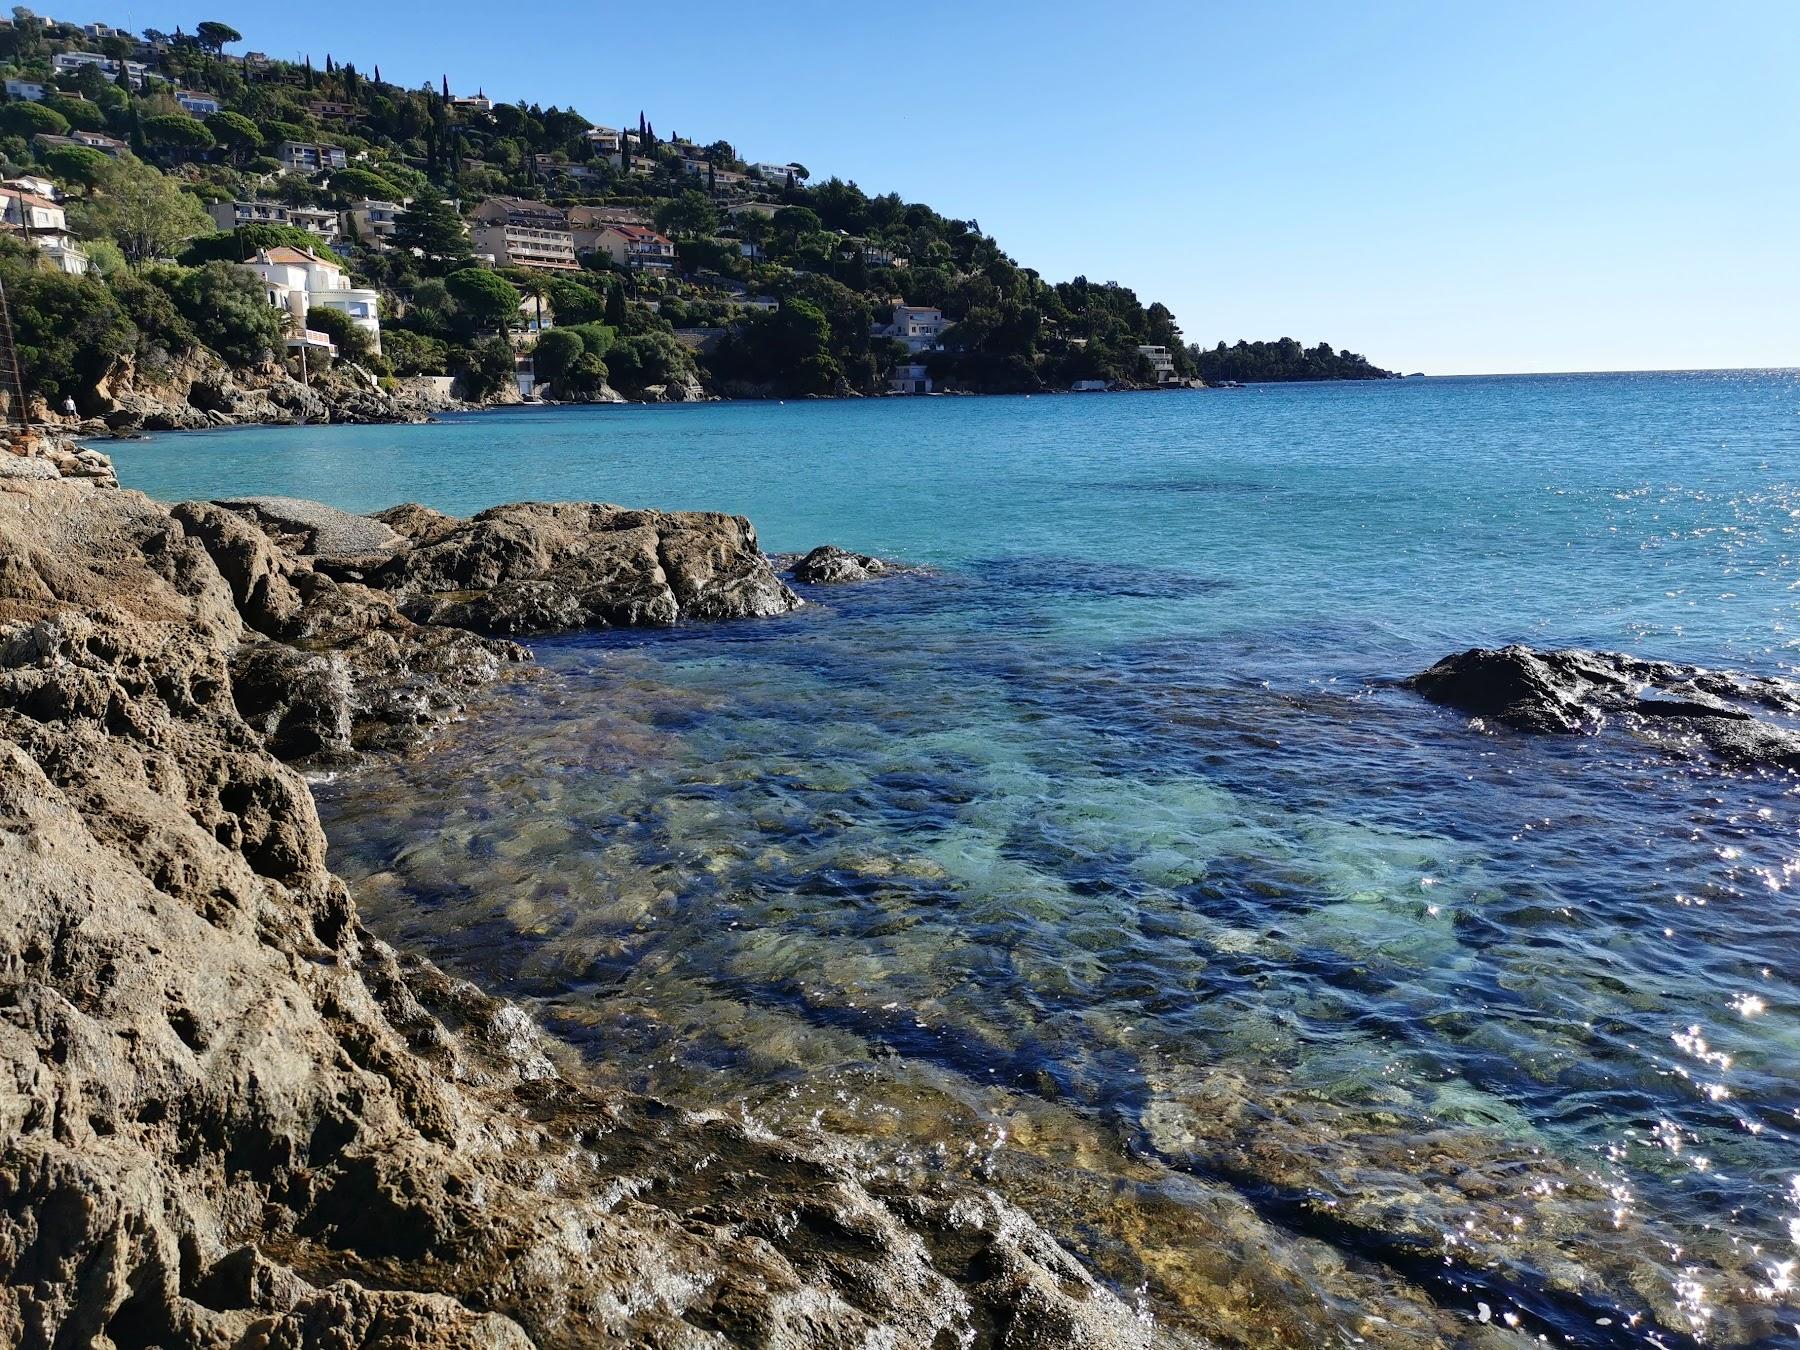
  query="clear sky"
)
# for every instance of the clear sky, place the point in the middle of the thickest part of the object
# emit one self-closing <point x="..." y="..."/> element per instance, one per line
<point x="1442" y="186"/>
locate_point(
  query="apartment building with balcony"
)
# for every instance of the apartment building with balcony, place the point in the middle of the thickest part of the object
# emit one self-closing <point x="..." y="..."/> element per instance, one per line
<point x="517" y="232"/>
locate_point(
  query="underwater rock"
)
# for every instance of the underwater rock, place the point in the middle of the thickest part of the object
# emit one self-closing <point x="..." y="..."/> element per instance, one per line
<point x="235" y="1118"/>
<point x="1570" y="692"/>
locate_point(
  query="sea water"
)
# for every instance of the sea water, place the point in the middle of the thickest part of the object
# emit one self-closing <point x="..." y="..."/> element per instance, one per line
<point x="1105" y="860"/>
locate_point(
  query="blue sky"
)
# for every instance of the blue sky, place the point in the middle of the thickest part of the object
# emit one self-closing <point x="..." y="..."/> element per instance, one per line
<point x="1444" y="187"/>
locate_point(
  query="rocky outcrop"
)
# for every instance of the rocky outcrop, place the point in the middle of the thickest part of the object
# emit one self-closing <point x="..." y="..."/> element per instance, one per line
<point x="829" y="565"/>
<point x="45" y="457"/>
<point x="1573" y="692"/>
<point x="197" y="389"/>
<point x="546" y="567"/>
<point x="233" y="1118"/>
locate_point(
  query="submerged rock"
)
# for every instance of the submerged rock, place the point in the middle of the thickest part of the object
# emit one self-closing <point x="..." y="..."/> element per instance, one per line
<point x="235" y="1118"/>
<point x="829" y="565"/>
<point x="1568" y="692"/>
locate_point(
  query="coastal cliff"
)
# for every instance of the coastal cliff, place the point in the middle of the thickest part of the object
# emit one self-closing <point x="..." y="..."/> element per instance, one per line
<point x="233" y="1117"/>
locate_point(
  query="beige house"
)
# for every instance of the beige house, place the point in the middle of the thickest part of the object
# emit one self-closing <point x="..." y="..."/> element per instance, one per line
<point x="636" y="247"/>
<point x="43" y="223"/>
<point x="515" y="232"/>
<point x="372" y="222"/>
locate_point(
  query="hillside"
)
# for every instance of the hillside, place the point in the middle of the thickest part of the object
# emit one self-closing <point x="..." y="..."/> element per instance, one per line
<point x="502" y="243"/>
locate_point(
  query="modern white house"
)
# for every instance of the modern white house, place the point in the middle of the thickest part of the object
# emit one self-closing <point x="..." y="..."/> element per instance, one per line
<point x="918" y="326"/>
<point x="44" y="224"/>
<point x="195" y="103"/>
<point x="73" y="63"/>
<point x="29" y="91"/>
<point x="300" y="282"/>
<point x="605" y="140"/>
<point x="778" y="173"/>
<point x="1161" y="362"/>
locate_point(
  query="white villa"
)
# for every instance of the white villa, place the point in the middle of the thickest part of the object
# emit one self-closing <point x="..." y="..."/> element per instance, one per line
<point x="301" y="282"/>
<point x="918" y="326"/>
<point x="1161" y="362"/>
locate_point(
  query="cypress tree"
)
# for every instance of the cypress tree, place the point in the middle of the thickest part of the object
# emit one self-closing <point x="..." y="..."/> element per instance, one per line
<point x="446" y="88"/>
<point x="614" y="316"/>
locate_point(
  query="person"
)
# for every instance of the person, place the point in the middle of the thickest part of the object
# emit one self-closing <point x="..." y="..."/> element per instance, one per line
<point x="69" y="405"/>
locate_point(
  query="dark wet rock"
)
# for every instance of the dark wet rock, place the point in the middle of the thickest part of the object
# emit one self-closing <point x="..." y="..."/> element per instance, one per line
<point x="1569" y="692"/>
<point x="546" y="567"/>
<point x="829" y="565"/>
<point x="298" y="701"/>
<point x="354" y="655"/>
<point x="234" y="1118"/>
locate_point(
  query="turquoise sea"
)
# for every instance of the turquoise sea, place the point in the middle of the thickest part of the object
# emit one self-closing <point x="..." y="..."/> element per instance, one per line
<point x="1104" y="861"/>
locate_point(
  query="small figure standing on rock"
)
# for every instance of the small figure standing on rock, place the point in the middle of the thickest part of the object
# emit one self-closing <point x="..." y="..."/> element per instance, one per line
<point x="68" y="407"/>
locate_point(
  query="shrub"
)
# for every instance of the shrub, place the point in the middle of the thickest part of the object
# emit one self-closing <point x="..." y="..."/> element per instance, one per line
<point x="228" y="305"/>
<point x="353" y="343"/>
<point x="487" y="368"/>
<point x="410" y="353"/>
<point x="68" y="330"/>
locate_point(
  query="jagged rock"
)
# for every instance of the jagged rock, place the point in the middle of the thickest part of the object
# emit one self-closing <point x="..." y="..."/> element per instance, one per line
<point x="543" y="567"/>
<point x="829" y="565"/>
<point x="1572" y="691"/>
<point x="232" y="1118"/>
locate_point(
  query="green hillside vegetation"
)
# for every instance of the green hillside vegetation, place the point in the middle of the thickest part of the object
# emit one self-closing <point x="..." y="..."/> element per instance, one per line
<point x="786" y="278"/>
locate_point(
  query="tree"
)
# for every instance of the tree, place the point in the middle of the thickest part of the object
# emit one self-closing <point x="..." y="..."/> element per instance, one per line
<point x="215" y="37"/>
<point x="77" y="112"/>
<point x="489" y="299"/>
<point x="183" y="135"/>
<point x="688" y="215"/>
<point x="488" y="368"/>
<point x="615" y="306"/>
<point x="68" y="330"/>
<point x="355" y="183"/>
<point x="536" y="285"/>
<point x="145" y="213"/>
<point x="237" y="133"/>
<point x="229" y="307"/>
<point x="430" y="225"/>
<point x="78" y="164"/>
<point x="353" y="343"/>
<point x="556" y="353"/>
<point x="32" y="119"/>
<point x="411" y="353"/>
<point x="245" y="242"/>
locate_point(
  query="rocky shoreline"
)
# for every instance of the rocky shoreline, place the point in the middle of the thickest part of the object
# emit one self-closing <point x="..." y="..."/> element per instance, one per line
<point x="232" y="1117"/>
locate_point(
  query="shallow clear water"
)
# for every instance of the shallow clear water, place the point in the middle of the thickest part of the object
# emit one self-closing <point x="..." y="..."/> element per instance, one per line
<point x="1106" y="861"/>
